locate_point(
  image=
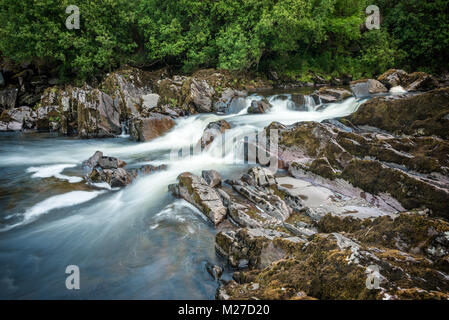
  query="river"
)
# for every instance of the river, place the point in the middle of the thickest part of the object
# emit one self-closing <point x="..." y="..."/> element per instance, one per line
<point x="134" y="243"/>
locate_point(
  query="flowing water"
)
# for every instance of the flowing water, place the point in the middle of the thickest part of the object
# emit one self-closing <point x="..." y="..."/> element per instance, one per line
<point x="134" y="243"/>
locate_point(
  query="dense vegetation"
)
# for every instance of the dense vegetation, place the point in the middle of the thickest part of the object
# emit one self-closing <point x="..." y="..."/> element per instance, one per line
<point x="289" y="36"/>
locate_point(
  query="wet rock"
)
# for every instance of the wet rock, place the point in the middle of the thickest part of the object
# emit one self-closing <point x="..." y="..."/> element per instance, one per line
<point x="146" y="129"/>
<point x="422" y="114"/>
<point x="212" y="131"/>
<point x="107" y="169"/>
<point x="224" y="101"/>
<point x="18" y="119"/>
<point x="366" y="87"/>
<point x="259" y="106"/>
<point x="214" y="271"/>
<point x="212" y="178"/>
<point x="331" y="95"/>
<point x="195" y="190"/>
<point x="148" y="169"/>
<point x="8" y="98"/>
<point x="299" y="102"/>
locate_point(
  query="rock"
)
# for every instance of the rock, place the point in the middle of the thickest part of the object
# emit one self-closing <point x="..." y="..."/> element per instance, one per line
<point x="224" y="101"/>
<point x="366" y="87"/>
<point x="262" y="176"/>
<point x="98" y="115"/>
<point x="146" y="129"/>
<point x="417" y="81"/>
<point x="422" y="114"/>
<point x="198" y="94"/>
<point x="150" y="101"/>
<point x="213" y="130"/>
<point x="212" y="178"/>
<point x="195" y="190"/>
<point x="259" y="106"/>
<point x="93" y="161"/>
<point x="214" y="271"/>
<point x="8" y="98"/>
<point x="393" y="78"/>
<point x="331" y="95"/>
<point x="299" y="102"/>
<point x="148" y="169"/>
<point x="48" y="118"/>
<point x="18" y="119"/>
<point x="107" y="169"/>
<point x="116" y="178"/>
<point x="421" y="81"/>
<point x="2" y="80"/>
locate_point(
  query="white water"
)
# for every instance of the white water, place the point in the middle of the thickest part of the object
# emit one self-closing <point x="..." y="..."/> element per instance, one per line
<point x="139" y="240"/>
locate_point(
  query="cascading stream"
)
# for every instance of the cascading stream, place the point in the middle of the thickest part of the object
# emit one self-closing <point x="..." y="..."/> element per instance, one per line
<point x="137" y="242"/>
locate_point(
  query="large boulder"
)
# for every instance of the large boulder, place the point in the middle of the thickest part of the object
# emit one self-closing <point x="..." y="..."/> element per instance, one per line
<point x="48" y="118"/>
<point x="393" y="78"/>
<point x="367" y="87"/>
<point x="198" y="192"/>
<point x="212" y="178"/>
<point x="146" y="129"/>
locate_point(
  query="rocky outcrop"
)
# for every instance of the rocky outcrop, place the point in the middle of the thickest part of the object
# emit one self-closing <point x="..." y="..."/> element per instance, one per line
<point x="212" y="131"/>
<point x="375" y="259"/>
<point x="366" y="159"/>
<point x="367" y="87"/>
<point x="224" y="100"/>
<point x="420" y="115"/>
<point x="147" y="129"/>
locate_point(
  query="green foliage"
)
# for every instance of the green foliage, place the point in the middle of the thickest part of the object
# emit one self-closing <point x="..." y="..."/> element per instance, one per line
<point x="289" y="36"/>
